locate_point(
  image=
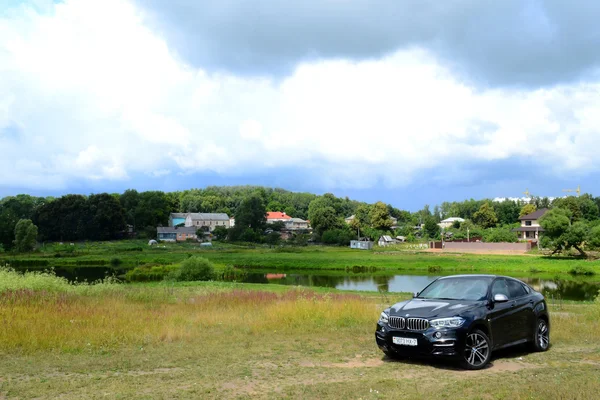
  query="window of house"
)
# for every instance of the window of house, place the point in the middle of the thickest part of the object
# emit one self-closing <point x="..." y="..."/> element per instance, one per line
<point x="527" y="223"/>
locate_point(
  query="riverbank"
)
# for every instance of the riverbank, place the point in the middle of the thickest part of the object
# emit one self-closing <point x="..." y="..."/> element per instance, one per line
<point x="228" y="340"/>
<point x="124" y="255"/>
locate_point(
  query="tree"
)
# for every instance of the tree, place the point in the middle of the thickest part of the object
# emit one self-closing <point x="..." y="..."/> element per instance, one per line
<point x="527" y="209"/>
<point x="485" y="216"/>
<point x="251" y="213"/>
<point x="380" y="216"/>
<point x="361" y="217"/>
<point x="273" y="238"/>
<point x="594" y="237"/>
<point x="103" y="217"/>
<point x="431" y="228"/>
<point x="220" y="233"/>
<point x="571" y="204"/>
<point x="324" y="219"/>
<point x="25" y="236"/>
<point x="560" y="233"/>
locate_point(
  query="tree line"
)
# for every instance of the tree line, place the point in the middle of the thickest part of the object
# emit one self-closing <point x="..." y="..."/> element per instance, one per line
<point x="107" y="216"/>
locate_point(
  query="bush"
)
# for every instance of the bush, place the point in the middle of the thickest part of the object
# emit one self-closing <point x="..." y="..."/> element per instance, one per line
<point x="194" y="269"/>
<point x="340" y="237"/>
<point x="115" y="262"/>
<point x="149" y="273"/>
<point x="581" y="270"/>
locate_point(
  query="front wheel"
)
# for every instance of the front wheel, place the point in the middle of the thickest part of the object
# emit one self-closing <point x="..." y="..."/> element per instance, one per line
<point x="541" y="338"/>
<point x="477" y="352"/>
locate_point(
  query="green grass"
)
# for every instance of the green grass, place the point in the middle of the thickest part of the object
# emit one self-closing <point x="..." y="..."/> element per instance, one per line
<point x="311" y="258"/>
<point x="226" y="340"/>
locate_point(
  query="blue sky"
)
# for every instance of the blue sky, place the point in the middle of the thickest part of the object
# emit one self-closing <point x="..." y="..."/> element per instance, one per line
<point x="412" y="103"/>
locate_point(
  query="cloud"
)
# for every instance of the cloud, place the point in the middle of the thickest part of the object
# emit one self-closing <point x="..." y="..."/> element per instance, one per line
<point x="497" y="43"/>
<point x="92" y="92"/>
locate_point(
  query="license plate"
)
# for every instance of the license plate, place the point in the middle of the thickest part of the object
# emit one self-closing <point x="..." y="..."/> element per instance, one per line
<point x="404" y="341"/>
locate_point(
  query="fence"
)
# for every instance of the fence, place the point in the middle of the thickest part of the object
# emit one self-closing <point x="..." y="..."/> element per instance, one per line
<point x="480" y="246"/>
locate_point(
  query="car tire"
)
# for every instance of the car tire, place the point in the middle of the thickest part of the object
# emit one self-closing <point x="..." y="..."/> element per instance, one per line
<point x="541" y="336"/>
<point x="477" y="351"/>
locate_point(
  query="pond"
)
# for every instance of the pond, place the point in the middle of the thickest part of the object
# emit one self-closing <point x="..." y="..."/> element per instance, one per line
<point x="560" y="287"/>
<point x="552" y="288"/>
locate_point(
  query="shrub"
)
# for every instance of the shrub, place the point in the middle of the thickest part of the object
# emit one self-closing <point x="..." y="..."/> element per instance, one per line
<point x="115" y="262"/>
<point x="434" y="268"/>
<point x="194" y="269"/>
<point x="581" y="270"/>
<point x="149" y="273"/>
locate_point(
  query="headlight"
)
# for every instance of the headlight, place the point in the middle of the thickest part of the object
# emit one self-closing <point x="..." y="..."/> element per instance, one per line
<point x="383" y="318"/>
<point x="453" y="322"/>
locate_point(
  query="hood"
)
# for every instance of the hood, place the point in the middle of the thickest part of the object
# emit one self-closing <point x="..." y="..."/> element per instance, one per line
<point x="431" y="308"/>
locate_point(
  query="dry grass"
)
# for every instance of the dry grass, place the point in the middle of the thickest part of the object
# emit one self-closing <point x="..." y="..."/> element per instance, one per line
<point x="222" y="341"/>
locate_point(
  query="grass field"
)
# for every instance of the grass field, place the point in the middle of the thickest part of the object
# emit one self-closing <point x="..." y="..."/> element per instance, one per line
<point x="125" y="255"/>
<point x="225" y="340"/>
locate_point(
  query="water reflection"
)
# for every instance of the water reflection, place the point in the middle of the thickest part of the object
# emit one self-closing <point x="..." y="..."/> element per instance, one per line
<point x="552" y="288"/>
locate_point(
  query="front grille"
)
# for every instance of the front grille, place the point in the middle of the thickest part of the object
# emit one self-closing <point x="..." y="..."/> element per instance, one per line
<point x="397" y="322"/>
<point x="417" y="324"/>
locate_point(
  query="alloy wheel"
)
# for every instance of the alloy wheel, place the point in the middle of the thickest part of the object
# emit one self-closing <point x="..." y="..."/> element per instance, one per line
<point x="477" y="350"/>
<point x="543" y="335"/>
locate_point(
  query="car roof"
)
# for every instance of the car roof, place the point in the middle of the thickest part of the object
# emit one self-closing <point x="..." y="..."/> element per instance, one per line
<point x="479" y="276"/>
<point x="470" y="276"/>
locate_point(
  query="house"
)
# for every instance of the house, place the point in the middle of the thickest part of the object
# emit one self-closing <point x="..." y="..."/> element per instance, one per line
<point x="206" y="221"/>
<point x="296" y="224"/>
<point x="362" y="244"/>
<point x="530" y="228"/>
<point x="448" y="222"/>
<point x="277" y="216"/>
<point x="231" y="222"/>
<point x="386" y="240"/>
<point x="176" y="234"/>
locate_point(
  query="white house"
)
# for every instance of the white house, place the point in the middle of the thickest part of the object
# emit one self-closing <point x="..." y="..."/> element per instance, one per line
<point x="208" y="221"/>
<point x="386" y="240"/>
<point x="530" y="228"/>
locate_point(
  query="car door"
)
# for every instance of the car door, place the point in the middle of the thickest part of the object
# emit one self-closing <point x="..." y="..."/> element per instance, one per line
<point x="503" y="321"/>
<point x="522" y="306"/>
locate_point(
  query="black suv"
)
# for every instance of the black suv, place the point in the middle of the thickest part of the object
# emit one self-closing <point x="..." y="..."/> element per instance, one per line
<point x="465" y="317"/>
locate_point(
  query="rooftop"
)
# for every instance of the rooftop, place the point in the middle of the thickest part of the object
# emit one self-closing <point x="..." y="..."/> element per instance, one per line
<point x="534" y="215"/>
<point x="277" y="215"/>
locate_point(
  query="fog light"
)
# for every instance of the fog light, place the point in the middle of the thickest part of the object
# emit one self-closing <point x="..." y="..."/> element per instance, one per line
<point x="438" y="335"/>
<point x="382" y="329"/>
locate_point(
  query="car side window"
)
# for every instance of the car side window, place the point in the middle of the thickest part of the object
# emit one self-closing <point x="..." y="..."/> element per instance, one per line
<point x="499" y="287"/>
<point x="515" y="289"/>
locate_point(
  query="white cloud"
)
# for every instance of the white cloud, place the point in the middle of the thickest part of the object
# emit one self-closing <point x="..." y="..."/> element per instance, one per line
<point x="97" y="95"/>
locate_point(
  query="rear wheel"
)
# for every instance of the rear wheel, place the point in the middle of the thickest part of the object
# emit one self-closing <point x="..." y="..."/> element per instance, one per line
<point x="541" y="338"/>
<point x="477" y="352"/>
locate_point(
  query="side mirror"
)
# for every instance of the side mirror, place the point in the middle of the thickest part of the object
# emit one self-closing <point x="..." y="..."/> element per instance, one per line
<point x="415" y="294"/>
<point x="500" y="298"/>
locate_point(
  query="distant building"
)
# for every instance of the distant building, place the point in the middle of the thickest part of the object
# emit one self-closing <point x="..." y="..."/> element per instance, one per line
<point x="386" y="240"/>
<point x="530" y="228"/>
<point x="448" y="222"/>
<point x="206" y="221"/>
<point x="361" y="244"/>
<point x="295" y="224"/>
<point x="175" y="234"/>
<point x="277" y="216"/>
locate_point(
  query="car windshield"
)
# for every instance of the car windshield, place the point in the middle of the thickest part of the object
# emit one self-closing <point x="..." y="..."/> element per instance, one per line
<point x="457" y="289"/>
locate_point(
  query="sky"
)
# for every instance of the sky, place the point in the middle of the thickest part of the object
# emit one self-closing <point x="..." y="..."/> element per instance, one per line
<point x="410" y="102"/>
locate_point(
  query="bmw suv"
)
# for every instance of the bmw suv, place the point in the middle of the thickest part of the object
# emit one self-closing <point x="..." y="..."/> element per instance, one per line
<point x="465" y="317"/>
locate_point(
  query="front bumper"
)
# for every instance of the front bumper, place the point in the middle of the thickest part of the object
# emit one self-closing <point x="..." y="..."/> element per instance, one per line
<point x="450" y="342"/>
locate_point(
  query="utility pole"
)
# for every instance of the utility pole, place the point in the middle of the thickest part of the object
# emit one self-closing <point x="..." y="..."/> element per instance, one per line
<point x="468" y="241"/>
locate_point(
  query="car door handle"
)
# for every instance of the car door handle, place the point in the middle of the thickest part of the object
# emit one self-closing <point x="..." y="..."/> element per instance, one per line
<point x="514" y="304"/>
